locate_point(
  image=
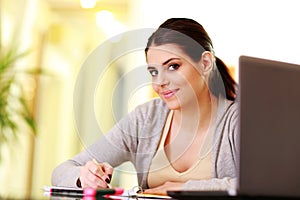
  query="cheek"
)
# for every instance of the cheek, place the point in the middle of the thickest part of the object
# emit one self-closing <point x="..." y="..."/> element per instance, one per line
<point x="183" y="79"/>
<point x="155" y="87"/>
<point x="198" y="84"/>
<point x="194" y="80"/>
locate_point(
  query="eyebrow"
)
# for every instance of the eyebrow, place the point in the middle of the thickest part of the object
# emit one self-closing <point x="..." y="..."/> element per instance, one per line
<point x="169" y="60"/>
<point x="150" y="68"/>
<point x="164" y="63"/>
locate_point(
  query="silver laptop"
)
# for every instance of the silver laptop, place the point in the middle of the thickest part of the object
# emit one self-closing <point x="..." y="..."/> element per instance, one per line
<point x="269" y="106"/>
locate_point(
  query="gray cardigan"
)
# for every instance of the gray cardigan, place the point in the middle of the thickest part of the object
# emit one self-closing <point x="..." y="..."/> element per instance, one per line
<point x="135" y="138"/>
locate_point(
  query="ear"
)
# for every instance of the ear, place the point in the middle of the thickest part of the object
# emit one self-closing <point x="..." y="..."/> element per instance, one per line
<point x="207" y="62"/>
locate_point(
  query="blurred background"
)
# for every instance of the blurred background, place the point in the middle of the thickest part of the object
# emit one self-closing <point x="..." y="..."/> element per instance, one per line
<point x="37" y="118"/>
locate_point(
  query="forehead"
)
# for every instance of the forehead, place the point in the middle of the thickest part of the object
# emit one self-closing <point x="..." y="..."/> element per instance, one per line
<point x="159" y="54"/>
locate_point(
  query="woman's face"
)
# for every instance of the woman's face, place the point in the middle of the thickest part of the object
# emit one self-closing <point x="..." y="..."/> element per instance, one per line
<point x="175" y="77"/>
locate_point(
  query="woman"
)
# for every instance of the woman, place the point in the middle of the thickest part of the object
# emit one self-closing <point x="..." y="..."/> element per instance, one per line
<point x="186" y="139"/>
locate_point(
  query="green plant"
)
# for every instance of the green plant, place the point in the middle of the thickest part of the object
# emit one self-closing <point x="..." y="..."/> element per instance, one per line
<point x="14" y="110"/>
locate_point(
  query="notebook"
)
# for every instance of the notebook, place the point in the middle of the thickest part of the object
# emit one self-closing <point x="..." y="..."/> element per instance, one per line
<point x="269" y="125"/>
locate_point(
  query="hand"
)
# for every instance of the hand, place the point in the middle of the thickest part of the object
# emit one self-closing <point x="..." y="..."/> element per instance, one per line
<point x="162" y="189"/>
<point x="95" y="175"/>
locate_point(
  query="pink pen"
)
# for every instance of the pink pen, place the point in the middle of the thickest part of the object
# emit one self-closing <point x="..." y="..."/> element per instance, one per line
<point x="90" y="193"/>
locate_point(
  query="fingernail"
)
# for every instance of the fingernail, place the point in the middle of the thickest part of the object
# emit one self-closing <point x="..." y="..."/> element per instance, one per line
<point x="109" y="176"/>
<point x="107" y="180"/>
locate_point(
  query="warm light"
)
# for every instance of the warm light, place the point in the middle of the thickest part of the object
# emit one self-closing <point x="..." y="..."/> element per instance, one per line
<point x="88" y="3"/>
<point x="104" y="18"/>
<point x="7" y="30"/>
<point x="108" y="24"/>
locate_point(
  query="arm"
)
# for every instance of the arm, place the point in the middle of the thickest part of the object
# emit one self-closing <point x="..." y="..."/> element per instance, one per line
<point x="226" y="183"/>
<point x="203" y="185"/>
<point x="134" y="139"/>
<point x="114" y="148"/>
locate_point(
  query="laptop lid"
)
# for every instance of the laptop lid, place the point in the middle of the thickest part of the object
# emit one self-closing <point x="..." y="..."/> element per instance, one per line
<point x="269" y="98"/>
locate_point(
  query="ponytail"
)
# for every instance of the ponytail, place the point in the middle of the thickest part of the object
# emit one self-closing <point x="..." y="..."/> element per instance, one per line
<point x="222" y="75"/>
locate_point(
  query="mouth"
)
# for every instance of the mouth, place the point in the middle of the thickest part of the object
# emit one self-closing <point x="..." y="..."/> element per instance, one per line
<point x="169" y="93"/>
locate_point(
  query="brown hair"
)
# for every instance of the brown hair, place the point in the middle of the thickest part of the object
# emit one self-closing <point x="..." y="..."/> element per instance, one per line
<point x="194" y="40"/>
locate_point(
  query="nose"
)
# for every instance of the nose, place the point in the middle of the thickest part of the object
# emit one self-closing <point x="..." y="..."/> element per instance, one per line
<point x="161" y="80"/>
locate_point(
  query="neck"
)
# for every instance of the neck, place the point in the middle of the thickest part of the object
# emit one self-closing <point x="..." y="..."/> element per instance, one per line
<point x="191" y="124"/>
<point x="197" y="116"/>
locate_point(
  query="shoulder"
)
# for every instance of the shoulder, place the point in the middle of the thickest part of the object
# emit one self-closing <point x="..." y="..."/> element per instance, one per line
<point x="152" y="108"/>
<point x="152" y="103"/>
<point x="228" y="110"/>
<point x="228" y="117"/>
<point x="149" y="118"/>
<point x="152" y="113"/>
<point x="226" y="140"/>
<point x="232" y="110"/>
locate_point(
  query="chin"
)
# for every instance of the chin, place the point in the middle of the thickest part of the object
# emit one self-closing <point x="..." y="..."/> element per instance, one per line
<point x="173" y="105"/>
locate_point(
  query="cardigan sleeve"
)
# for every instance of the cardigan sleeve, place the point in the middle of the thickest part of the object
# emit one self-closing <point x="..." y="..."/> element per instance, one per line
<point x="115" y="147"/>
<point x="134" y="139"/>
<point x="224" y="184"/>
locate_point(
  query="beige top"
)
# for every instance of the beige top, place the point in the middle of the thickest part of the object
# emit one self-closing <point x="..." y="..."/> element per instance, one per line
<point x="161" y="170"/>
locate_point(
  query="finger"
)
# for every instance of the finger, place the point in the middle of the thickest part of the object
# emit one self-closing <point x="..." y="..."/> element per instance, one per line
<point x="99" y="171"/>
<point x="86" y="183"/>
<point x="91" y="180"/>
<point x="108" y="170"/>
<point x="95" y="182"/>
<point x="94" y="168"/>
<point x="155" y="191"/>
<point x="91" y="184"/>
<point x="84" y="176"/>
<point x="149" y="191"/>
<point x="90" y="176"/>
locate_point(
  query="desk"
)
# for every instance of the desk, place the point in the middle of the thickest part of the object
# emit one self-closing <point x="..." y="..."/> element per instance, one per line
<point x="105" y="197"/>
<point x="66" y="194"/>
<point x="57" y="197"/>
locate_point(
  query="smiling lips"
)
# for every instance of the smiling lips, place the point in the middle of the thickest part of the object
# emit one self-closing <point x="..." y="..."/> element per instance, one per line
<point x="169" y="93"/>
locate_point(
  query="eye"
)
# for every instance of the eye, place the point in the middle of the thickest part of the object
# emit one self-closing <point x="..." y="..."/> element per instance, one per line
<point x="153" y="72"/>
<point x="173" y="67"/>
